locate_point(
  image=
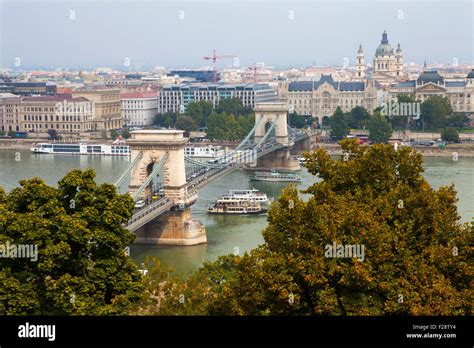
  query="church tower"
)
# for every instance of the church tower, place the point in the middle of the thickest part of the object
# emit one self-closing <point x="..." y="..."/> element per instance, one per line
<point x="360" y="65"/>
<point x="399" y="63"/>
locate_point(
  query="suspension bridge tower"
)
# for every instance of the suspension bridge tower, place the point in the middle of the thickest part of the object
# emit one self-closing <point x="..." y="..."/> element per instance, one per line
<point x="155" y="153"/>
<point x="274" y="114"/>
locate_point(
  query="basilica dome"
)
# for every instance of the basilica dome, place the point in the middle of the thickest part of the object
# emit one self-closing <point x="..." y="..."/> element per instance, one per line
<point x="384" y="48"/>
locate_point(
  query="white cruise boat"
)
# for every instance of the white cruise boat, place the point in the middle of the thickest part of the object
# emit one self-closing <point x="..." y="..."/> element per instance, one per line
<point x="245" y="195"/>
<point x="236" y="207"/>
<point x="116" y="149"/>
<point x="203" y="151"/>
<point x="302" y="159"/>
<point x="276" y="176"/>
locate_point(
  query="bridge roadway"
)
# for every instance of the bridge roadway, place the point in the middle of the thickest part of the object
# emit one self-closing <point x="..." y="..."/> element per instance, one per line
<point x="158" y="207"/>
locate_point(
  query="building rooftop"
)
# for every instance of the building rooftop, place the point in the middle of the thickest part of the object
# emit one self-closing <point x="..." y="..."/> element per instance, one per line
<point x="411" y="83"/>
<point x="455" y="83"/>
<point x="54" y="99"/>
<point x="218" y="86"/>
<point x="138" y="95"/>
<point x="302" y="86"/>
<point x="430" y="76"/>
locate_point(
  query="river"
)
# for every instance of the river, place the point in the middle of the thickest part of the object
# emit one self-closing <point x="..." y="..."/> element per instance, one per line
<point x="226" y="234"/>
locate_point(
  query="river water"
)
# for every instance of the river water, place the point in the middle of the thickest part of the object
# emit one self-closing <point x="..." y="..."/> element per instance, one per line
<point x="226" y="234"/>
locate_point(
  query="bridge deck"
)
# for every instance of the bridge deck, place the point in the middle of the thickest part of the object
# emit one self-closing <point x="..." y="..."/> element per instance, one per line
<point x="151" y="211"/>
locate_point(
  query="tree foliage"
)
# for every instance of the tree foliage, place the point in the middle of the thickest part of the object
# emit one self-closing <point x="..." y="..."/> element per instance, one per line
<point x="185" y="123"/>
<point x="380" y="129"/>
<point x="358" y="117"/>
<point x="166" y="120"/>
<point x="229" y="127"/>
<point x="233" y="106"/>
<point x="199" y="112"/>
<point x="295" y="120"/>
<point x="458" y="120"/>
<point x="434" y="111"/>
<point x="418" y="256"/>
<point x="82" y="267"/>
<point x="450" y="134"/>
<point x="339" y="124"/>
<point x="114" y="133"/>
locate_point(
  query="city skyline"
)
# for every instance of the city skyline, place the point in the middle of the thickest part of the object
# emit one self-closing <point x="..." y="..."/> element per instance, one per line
<point x="147" y="34"/>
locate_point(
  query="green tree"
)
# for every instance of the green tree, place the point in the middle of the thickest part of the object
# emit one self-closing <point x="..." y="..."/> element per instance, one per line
<point x="200" y="112"/>
<point x="402" y="121"/>
<point x="232" y="106"/>
<point x="82" y="267"/>
<point x="169" y="294"/>
<point x="358" y="117"/>
<point x="417" y="255"/>
<point x="295" y="120"/>
<point x="406" y="98"/>
<point x="339" y="124"/>
<point x="126" y="134"/>
<point x="229" y="127"/>
<point x="450" y="134"/>
<point x="434" y="111"/>
<point x="185" y="123"/>
<point x="380" y="129"/>
<point x="458" y="120"/>
<point x="167" y="120"/>
<point x="114" y="134"/>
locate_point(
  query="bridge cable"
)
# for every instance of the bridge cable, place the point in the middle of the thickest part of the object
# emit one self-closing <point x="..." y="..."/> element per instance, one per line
<point x="127" y="171"/>
<point x="154" y="172"/>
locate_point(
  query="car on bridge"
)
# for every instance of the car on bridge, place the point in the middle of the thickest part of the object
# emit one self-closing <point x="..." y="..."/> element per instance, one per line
<point x="140" y="204"/>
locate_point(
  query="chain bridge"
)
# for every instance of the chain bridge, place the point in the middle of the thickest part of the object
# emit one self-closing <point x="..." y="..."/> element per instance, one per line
<point x="165" y="181"/>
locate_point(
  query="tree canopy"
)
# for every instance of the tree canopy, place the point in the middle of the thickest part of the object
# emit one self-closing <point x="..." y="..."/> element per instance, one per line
<point x="417" y="255"/>
<point x="339" y="124"/>
<point x="450" y="134"/>
<point x="185" y="123"/>
<point x="82" y="267"/>
<point x="435" y="111"/>
<point x="295" y="120"/>
<point x="358" y="117"/>
<point x="199" y="112"/>
<point x="380" y="129"/>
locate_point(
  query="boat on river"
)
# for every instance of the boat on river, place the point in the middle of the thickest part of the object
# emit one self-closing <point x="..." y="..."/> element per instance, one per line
<point x="276" y="176"/>
<point x="236" y="207"/>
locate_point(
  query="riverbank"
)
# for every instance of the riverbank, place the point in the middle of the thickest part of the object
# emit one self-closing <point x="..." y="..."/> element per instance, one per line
<point x="26" y="144"/>
<point x="462" y="150"/>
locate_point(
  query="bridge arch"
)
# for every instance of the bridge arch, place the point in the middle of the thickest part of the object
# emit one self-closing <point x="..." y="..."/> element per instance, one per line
<point x="160" y="147"/>
<point x="268" y="113"/>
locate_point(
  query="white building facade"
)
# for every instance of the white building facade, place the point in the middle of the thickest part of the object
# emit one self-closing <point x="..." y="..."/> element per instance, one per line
<point x="321" y="98"/>
<point x="175" y="98"/>
<point x="139" y="109"/>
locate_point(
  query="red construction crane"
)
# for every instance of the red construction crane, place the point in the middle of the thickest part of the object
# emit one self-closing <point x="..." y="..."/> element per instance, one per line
<point x="254" y="73"/>
<point x="214" y="59"/>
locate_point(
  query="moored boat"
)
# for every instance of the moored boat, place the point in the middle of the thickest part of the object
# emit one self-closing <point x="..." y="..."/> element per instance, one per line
<point x="116" y="149"/>
<point x="236" y="207"/>
<point x="276" y="176"/>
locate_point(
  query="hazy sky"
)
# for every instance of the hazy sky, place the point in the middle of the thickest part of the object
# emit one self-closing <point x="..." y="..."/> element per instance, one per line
<point x="179" y="33"/>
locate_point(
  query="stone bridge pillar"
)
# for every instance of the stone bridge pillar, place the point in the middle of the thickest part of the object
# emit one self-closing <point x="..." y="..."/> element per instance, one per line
<point x="177" y="226"/>
<point x="271" y="112"/>
<point x="281" y="158"/>
<point x="155" y="144"/>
